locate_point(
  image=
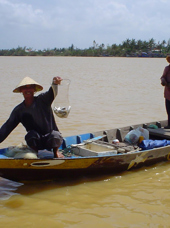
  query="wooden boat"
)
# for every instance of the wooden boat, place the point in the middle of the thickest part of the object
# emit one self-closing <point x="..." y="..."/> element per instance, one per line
<point x="89" y="154"/>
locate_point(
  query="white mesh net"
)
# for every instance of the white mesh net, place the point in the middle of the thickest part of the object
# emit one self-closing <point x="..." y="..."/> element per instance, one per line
<point x="61" y="103"/>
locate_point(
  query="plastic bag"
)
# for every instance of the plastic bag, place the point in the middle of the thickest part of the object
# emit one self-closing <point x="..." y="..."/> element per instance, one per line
<point x="61" y="103"/>
<point x="144" y="132"/>
<point x="132" y="136"/>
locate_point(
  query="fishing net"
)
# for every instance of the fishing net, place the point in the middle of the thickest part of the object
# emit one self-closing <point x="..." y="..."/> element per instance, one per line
<point x="61" y="104"/>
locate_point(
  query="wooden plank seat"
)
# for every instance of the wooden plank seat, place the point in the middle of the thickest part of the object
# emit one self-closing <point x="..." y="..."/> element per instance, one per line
<point x="76" y="139"/>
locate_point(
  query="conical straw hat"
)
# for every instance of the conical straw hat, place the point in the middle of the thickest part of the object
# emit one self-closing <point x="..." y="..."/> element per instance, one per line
<point x="28" y="81"/>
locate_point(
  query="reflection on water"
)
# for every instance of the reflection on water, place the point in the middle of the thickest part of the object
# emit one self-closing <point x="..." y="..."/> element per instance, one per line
<point x="140" y="196"/>
<point x="8" y="188"/>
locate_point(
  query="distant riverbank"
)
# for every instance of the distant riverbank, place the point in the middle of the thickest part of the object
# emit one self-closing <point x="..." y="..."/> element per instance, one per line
<point x="128" y="48"/>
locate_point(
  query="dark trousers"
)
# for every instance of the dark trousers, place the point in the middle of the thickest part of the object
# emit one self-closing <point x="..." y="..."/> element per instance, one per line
<point x="39" y="142"/>
<point x="167" y="105"/>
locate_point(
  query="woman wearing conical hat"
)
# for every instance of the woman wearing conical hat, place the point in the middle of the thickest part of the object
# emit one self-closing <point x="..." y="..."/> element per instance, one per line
<point x="35" y="114"/>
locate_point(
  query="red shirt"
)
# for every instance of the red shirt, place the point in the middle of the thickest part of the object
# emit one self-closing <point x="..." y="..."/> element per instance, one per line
<point x="166" y="76"/>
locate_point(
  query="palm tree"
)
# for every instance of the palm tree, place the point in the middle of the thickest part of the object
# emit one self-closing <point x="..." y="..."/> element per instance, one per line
<point x="151" y="44"/>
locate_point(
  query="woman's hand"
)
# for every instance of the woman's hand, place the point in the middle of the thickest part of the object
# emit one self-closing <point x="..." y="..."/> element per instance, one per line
<point x="163" y="82"/>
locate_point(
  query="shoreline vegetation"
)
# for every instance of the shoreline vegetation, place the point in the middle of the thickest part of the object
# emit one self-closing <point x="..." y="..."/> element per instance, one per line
<point x="128" y="48"/>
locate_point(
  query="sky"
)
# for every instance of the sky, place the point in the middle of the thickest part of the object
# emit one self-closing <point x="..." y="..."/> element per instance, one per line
<point x="48" y="24"/>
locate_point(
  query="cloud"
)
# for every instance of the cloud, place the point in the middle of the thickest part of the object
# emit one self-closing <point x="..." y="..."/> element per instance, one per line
<point x="43" y="24"/>
<point x="20" y="15"/>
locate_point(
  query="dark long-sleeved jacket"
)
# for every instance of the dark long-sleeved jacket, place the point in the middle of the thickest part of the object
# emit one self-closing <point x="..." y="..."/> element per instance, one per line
<point x="39" y="116"/>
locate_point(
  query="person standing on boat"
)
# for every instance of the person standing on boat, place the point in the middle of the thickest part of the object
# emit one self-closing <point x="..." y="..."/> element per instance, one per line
<point x="36" y="115"/>
<point x="165" y="81"/>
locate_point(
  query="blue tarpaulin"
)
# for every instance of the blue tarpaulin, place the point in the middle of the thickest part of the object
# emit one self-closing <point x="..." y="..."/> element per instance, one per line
<point x="150" y="144"/>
